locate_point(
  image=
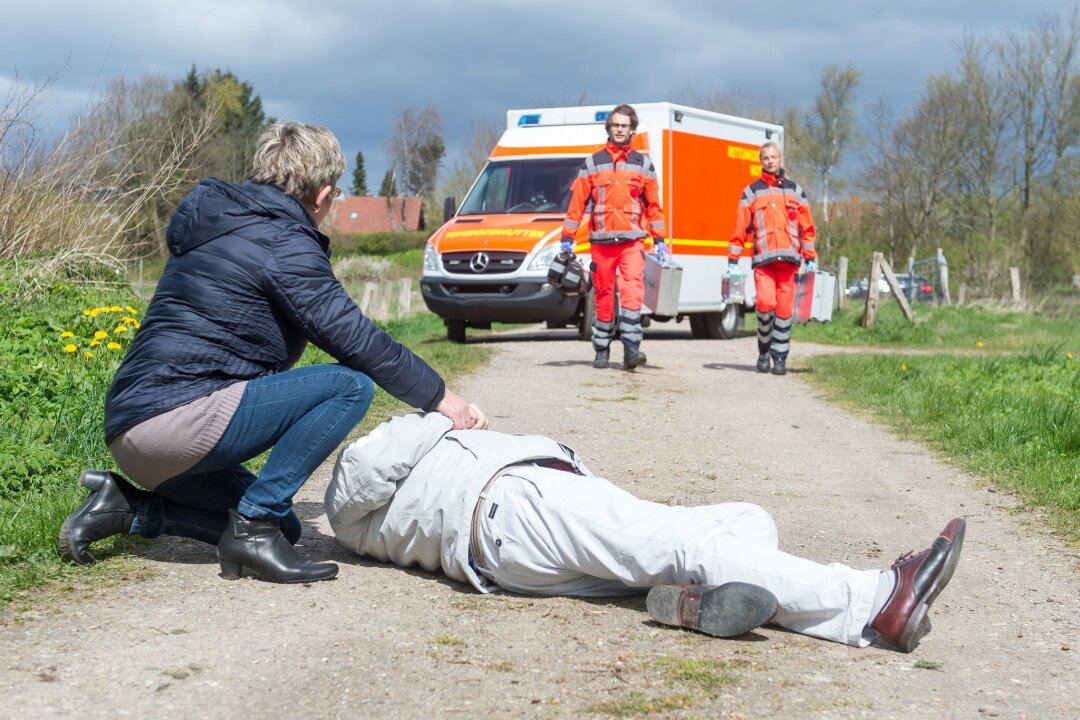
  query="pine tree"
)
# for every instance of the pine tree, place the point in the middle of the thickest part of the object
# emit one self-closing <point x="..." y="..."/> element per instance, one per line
<point x="359" y="176"/>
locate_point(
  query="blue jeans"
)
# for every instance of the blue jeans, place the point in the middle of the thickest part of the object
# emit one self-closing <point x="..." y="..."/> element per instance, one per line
<point x="303" y="414"/>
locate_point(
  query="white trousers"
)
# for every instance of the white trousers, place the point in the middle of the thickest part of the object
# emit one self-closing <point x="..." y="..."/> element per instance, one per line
<point x="549" y="532"/>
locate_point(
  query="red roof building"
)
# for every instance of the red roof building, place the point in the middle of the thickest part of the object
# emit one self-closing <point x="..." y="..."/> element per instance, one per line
<point x="368" y="214"/>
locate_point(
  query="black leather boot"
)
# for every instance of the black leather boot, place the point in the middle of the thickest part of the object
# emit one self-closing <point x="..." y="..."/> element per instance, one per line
<point x="778" y="366"/>
<point x="632" y="357"/>
<point x="601" y="359"/>
<point x="259" y="547"/>
<point x="108" y="511"/>
<point x="763" y="363"/>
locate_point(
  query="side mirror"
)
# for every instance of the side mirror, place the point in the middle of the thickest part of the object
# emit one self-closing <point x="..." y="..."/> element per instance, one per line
<point x="449" y="207"/>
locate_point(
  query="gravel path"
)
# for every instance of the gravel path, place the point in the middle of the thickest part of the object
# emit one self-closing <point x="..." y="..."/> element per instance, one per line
<point x="386" y="642"/>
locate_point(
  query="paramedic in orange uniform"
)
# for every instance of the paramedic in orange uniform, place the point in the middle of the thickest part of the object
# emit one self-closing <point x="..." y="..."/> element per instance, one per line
<point x="774" y="218"/>
<point x="617" y="185"/>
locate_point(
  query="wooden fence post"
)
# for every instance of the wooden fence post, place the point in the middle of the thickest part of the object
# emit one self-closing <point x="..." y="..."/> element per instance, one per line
<point x="382" y="302"/>
<point x="869" y="318"/>
<point x="367" y="297"/>
<point x="404" y="297"/>
<point x="841" y="283"/>
<point x="897" y="292"/>
<point x="943" y="277"/>
<point x="1014" y="275"/>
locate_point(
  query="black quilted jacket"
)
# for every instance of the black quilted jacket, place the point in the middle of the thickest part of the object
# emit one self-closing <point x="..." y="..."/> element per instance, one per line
<point x="247" y="286"/>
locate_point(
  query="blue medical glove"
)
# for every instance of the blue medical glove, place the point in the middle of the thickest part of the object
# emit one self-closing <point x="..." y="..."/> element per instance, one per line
<point x="567" y="245"/>
<point x="660" y="248"/>
<point x="811" y="266"/>
<point x="732" y="267"/>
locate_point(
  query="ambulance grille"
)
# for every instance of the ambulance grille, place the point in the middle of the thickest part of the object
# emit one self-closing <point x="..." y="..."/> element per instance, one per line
<point x="482" y="262"/>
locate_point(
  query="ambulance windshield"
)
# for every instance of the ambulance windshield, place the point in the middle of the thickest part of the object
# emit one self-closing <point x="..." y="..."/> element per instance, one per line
<point x="522" y="186"/>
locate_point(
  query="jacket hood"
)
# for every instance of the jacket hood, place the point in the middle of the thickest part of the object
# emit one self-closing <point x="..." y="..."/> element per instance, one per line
<point x="215" y="208"/>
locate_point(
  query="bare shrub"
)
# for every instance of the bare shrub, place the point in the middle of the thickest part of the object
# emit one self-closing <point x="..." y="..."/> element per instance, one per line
<point x="364" y="268"/>
<point x="93" y="196"/>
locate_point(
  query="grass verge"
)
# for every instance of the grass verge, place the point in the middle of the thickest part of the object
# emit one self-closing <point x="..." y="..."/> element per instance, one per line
<point x="976" y="328"/>
<point x="1011" y="419"/>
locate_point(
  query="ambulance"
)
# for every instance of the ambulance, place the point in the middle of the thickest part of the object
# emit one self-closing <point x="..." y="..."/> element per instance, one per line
<point x="489" y="261"/>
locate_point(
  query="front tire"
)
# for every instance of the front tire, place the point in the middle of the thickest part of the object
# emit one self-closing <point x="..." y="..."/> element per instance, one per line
<point x="455" y="331"/>
<point x="588" y="314"/>
<point x="722" y="325"/>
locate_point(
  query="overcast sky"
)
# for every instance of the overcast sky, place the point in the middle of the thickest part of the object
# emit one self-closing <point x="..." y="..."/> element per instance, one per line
<point x="351" y="66"/>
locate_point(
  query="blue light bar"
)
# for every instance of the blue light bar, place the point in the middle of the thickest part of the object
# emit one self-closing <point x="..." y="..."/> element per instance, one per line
<point x="529" y="120"/>
<point x="601" y="115"/>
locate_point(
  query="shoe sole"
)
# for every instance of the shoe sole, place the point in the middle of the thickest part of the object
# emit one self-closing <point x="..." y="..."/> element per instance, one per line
<point x="234" y="571"/>
<point x="918" y="625"/>
<point x="729" y="610"/>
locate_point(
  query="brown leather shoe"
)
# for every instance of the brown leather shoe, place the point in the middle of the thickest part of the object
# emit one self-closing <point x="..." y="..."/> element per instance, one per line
<point x="919" y="579"/>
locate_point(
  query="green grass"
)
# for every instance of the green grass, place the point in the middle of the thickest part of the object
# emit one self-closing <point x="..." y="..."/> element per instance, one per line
<point x="943" y="328"/>
<point x="1012" y="419"/>
<point x="51" y="417"/>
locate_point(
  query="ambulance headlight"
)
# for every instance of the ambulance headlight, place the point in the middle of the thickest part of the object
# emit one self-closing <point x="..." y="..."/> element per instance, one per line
<point x="543" y="259"/>
<point x="431" y="258"/>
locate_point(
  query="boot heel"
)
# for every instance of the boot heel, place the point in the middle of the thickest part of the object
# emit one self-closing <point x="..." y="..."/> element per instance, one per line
<point x="231" y="570"/>
<point x="92" y="480"/>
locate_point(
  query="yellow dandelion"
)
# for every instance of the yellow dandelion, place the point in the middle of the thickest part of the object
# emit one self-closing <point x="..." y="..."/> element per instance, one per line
<point x="116" y="308"/>
<point x="128" y="320"/>
<point x="113" y="346"/>
<point x="94" y="313"/>
<point x="100" y="335"/>
<point x="95" y="343"/>
<point x="121" y="329"/>
<point x="131" y="310"/>
<point x="1068" y="356"/>
<point x="88" y="355"/>
<point x="903" y="367"/>
<point x="136" y="325"/>
<point x="70" y="348"/>
<point x="979" y="343"/>
<point x="86" y="312"/>
<point x="67" y="334"/>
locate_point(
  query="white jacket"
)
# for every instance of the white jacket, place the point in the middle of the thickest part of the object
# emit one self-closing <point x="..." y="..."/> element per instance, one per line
<point x="405" y="493"/>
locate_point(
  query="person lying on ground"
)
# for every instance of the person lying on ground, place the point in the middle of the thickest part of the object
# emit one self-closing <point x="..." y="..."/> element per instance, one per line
<point x="522" y="513"/>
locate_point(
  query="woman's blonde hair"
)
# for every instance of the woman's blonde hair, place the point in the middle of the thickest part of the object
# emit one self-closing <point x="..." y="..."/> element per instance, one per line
<point x="300" y="159"/>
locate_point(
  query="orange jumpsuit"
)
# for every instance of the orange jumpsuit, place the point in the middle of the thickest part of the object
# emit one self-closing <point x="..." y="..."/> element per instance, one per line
<point x="774" y="220"/>
<point x="617" y="185"/>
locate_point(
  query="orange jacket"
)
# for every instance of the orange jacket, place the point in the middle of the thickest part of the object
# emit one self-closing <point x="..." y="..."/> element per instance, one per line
<point x="774" y="216"/>
<point x="618" y="186"/>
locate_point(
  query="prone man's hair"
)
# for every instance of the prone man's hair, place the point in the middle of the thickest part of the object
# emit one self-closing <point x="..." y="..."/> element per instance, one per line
<point x="300" y="159"/>
<point x="621" y="109"/>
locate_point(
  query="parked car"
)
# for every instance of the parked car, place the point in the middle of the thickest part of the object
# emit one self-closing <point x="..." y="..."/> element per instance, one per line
<point x="923" y="289"/>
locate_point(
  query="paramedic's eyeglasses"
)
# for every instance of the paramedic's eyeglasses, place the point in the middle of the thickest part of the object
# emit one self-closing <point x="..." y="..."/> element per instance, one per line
<point x="620" y="126"/>
<point x="335" y="192"/>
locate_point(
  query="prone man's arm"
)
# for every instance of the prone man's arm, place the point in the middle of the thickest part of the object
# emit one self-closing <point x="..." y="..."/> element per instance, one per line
<point x="368" y="470"/>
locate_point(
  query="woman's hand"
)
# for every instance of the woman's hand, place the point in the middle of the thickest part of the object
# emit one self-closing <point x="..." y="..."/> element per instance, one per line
<point x="463" y="415"/>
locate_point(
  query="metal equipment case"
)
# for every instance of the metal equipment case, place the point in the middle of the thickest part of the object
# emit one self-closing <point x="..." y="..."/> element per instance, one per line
<point x="814" y="293"/>
<point x="663" y="281"/>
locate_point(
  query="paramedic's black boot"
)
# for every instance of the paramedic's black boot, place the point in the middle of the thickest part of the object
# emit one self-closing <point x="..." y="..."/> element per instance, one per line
<point x="778" y="366"/>
<point x="601" y="359"/>
<point x="763" y="363"/>
<point x="632" y="357"/>
<point x="259" y="547"/>
<point x="727" y="610"/>
<point x="108" y="511"/>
